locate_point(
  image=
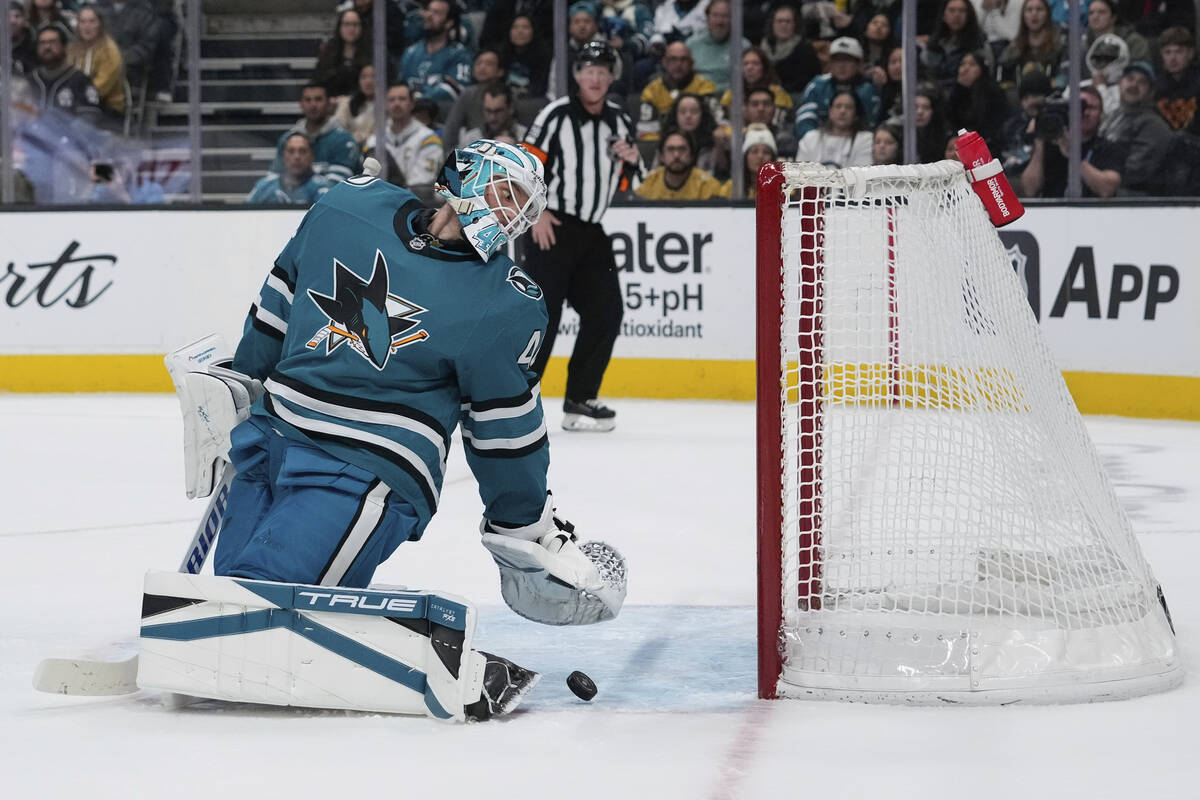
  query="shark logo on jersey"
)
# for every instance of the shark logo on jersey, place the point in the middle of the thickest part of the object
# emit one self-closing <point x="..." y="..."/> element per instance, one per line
<point x="364" y="315"/>
<point x="524" y="284"/>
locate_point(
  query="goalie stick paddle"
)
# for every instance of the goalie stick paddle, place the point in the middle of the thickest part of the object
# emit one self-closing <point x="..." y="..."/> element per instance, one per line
<point x="84" y="677"/>
<point x="81" y="677"/>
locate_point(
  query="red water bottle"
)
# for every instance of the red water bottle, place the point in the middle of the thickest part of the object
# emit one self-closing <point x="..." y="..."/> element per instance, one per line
<point x="987" y="178"/>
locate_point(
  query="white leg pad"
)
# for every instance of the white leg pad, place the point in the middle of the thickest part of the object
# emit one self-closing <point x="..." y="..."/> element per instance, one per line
<point x="224" y="638"/>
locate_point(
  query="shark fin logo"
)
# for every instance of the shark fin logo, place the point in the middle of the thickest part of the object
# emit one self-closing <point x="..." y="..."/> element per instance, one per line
<point x="365" y="317"/>
<point x="523" y="283"/>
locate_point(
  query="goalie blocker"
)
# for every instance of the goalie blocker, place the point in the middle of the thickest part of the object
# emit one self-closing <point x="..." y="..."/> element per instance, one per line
<point x="405" y="652"/>
<point x="213" y="400"/>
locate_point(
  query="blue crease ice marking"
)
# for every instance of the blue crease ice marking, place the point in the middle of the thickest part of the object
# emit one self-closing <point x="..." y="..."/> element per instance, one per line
<point x="678" y="659"/>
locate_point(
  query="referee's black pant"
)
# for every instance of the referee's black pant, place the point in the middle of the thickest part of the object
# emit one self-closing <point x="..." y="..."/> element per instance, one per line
<point x="580" y="269"/>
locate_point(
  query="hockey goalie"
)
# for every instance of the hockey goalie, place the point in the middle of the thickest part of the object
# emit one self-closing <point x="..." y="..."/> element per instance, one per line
<point x="382" y="326"/>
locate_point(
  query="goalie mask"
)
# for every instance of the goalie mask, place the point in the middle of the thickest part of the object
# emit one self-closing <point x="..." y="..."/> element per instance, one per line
<point x="497" y="190"/>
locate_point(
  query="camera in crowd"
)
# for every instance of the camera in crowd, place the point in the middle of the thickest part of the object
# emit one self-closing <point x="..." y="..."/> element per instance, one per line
<point x="1051" y="121"/>
<point x="102" y="171"/>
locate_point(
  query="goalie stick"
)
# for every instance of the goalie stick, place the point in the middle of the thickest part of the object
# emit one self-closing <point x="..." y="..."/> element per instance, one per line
<point x="78" y="676"/>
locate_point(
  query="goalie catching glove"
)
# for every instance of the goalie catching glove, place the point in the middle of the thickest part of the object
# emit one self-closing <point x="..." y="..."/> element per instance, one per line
<point x="548" y="576"/>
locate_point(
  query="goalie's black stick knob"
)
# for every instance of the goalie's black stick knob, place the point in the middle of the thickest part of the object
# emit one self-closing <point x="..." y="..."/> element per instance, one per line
<point x="583" y="686"/>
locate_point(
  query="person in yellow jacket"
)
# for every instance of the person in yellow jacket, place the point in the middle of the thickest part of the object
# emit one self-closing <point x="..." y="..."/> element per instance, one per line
<point x="96" y="55"/>
<point x="678" y="77"/>
<point x="678" y="178"/>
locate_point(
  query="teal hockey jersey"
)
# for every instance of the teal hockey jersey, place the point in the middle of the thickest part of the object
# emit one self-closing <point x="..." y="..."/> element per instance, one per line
<point x="375" y="340"/>
<point x="440" y="75"/>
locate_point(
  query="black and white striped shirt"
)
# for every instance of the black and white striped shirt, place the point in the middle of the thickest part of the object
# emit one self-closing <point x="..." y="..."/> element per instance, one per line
<point x="576" y="147"/>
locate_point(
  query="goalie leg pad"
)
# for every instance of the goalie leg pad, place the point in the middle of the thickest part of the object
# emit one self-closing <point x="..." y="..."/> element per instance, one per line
<point x="314" y="646"/>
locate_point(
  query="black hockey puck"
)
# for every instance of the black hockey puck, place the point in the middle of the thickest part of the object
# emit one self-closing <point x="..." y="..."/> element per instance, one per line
<point x="583" y="686"/>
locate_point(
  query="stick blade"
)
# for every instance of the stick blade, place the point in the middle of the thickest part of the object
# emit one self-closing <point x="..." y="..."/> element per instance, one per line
<point x="77" y="676"/>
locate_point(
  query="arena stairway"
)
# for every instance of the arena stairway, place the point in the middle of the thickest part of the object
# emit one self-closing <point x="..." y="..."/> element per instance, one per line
<point x="252" y="68"/>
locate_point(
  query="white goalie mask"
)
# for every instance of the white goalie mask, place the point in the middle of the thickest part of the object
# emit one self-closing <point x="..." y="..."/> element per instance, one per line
<point x="496" y="189"/>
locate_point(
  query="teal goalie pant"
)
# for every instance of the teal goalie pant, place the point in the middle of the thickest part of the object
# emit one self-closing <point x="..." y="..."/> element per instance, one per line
<point x="296" y="514"/>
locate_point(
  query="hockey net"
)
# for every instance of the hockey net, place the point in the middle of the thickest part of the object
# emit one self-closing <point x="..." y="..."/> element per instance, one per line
<point x="934" y="521"/>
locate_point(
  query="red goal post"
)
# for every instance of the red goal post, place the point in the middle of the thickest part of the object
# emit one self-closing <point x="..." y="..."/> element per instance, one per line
<point x="934" y="524"/>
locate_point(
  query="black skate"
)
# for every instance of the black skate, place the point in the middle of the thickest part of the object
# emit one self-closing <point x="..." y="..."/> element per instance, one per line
<point x="589" y="415"/>
<point x="504" y="685"/>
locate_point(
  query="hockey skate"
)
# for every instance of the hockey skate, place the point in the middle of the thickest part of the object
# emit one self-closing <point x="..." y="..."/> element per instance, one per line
<point x="589" y="415"/>
<point x="504" y="686"/>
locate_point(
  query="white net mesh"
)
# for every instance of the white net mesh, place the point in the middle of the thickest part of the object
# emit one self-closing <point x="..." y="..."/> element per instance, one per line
<point x="947" y="525"/>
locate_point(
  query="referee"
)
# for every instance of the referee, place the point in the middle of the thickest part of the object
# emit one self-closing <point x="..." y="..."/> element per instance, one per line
<point x="587" y="145"/>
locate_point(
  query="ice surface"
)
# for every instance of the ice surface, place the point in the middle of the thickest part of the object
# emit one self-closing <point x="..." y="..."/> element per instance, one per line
<point x="92" y="490"/>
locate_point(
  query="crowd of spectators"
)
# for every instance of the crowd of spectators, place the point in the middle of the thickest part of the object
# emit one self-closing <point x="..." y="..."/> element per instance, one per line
<point x="821" y="80"/>
<point x="121" y="47"/>
<point x="79" y="70"/>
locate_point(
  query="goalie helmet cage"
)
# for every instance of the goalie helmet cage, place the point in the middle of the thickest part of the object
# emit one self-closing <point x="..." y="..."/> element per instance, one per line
<point x="934" y="522"/>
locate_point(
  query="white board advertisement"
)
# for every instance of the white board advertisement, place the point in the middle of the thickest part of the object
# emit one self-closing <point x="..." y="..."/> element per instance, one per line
<point x="687" y="276"/>
<point x="1115" y="289"/>
<point x="117" y="282"/>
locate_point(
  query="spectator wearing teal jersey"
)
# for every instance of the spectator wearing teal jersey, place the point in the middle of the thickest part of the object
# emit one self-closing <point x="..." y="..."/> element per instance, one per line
<point x="710" y="47"/>
<point x="627" y="24"/>
<point x="336" y="154"/>
<point x="845" y="72"/>
<point x="437" y="66"/>
<point x="298" y="184"/>
<point x="676" y="20"/>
